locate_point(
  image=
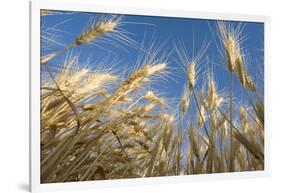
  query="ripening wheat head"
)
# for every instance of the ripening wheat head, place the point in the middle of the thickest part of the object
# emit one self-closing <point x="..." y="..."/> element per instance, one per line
<point x="231" y="39"/>
<point x="242" y="113"/>
<point x="250" y="83"/>
<point x="108" y="27"/>
<point x="185" y="101"/>
<point x="152" y="97"/>
<point x="191" y="65"/>
<point x="191" y="75"/>
<point x="81" y="81"/>
<point x="99" y="29"/>
<point x="201" y="116"/>
<point x="241" y="72"/>
<point x="212" y="93"/>
<point x="141" y="76"/>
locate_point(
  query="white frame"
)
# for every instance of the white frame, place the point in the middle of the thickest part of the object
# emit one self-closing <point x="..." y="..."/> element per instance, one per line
<point x="35" y="7"/>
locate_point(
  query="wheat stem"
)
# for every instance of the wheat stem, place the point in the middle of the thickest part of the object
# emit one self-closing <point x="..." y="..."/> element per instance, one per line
<point x="231" y="158"/>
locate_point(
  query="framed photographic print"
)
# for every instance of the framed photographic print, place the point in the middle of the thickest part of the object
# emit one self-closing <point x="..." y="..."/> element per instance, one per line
<point x="123" y="96"/>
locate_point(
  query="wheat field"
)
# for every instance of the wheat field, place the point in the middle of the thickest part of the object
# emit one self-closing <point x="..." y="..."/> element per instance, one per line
<point x="98" y="123"/>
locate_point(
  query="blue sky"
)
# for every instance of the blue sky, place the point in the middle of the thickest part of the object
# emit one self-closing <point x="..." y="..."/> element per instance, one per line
<point x="191" y="32"/>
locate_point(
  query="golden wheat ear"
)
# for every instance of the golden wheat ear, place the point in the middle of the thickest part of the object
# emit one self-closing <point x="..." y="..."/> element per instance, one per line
<point x="231" y="38"/>
<point x="185" y="102"/>
<point x="98" y="29"/>
<point x="191" y="65"/>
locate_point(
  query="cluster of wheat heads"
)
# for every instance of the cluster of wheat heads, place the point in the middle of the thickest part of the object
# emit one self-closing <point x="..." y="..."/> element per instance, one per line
<point x="96" y="125"/>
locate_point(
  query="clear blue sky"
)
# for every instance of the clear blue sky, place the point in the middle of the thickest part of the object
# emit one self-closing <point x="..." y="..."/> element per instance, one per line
<point x="190" y="31"/>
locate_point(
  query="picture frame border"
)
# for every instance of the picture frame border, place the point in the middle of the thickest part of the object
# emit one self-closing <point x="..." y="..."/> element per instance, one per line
<point x="34" y="89"/>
